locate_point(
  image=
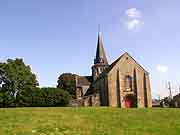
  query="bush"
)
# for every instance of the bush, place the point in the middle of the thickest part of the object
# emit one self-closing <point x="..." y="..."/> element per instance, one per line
<point x="49" y="97"/>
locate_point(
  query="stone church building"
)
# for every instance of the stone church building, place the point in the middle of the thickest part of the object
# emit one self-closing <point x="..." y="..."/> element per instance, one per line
<point x="124" y="83"/>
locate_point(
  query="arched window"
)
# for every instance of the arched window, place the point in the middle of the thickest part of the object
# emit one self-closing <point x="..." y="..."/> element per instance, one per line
<point x="128" y="83"/>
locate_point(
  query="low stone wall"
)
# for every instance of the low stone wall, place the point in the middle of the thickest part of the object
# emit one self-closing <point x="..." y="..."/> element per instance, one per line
<point x="76" y="103"/>
<point x="92" y="100"/>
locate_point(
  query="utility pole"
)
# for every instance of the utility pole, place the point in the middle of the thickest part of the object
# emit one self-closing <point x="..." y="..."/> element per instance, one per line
<point x="170" y="90"/>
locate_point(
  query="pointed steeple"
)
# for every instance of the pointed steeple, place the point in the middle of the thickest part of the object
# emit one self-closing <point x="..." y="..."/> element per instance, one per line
<point x="100" y="53"/>
<point x="100" y="62"/>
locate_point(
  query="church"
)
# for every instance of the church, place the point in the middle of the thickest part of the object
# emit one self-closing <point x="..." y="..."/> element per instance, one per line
<point x="124" y="83"/>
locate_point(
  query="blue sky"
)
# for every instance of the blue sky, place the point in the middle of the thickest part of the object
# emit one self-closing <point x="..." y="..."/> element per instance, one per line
<point x="55" y="36"/>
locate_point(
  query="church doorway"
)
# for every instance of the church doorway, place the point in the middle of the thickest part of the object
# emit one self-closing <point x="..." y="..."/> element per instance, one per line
<point x="130" y="101"/>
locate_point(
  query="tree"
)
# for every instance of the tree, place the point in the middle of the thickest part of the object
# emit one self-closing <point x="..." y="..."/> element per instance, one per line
<point x="67" y="82"/>
<point x="16" y="82"/>
<point x="167" y="102"/>
<point x="49" y="97"/>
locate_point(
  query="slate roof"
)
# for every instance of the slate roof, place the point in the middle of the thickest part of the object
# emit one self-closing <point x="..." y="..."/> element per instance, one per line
<point x="89" y="92"/>
<point x="177" y="96"/>
<point x="83" y="80"/>
<point x="100" y="53"/>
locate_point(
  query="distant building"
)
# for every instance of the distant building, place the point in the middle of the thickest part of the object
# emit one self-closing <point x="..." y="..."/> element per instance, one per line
<point x="156" y="103"/>
<point x="176" y="100"/>
<point x="124" y="83"/>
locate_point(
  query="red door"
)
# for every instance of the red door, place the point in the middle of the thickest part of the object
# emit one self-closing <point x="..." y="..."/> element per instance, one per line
<point x="128" y="103"/>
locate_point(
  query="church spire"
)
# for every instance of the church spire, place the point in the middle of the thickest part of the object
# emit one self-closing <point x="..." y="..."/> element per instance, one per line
<point x="100" y="62"/>
<point x="100" y="53"/>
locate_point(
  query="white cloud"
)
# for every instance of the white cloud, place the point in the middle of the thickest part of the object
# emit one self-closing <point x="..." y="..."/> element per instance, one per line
<point x="162" y="68"/>
<point x="134" y="19"/>
<point x="133" y="13"/>
<point x="133" y="24"/>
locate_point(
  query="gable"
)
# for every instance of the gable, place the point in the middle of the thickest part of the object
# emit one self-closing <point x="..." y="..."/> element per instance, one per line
<point x="125" y="58"/>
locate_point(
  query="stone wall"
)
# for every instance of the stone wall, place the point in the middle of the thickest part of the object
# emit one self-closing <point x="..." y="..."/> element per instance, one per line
<point x="76" y="103"/>
<point x="126" y="66"/>
<point x="91" y="100"/>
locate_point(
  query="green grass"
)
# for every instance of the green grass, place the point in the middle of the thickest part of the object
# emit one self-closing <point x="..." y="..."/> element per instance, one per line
<point x="89" y="121"/>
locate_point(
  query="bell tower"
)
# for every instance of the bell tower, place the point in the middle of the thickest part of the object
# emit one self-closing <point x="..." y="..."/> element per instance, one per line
<point x="100" y="61"/>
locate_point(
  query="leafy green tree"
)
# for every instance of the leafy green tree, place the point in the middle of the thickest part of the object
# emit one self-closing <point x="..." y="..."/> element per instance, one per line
<point x="50" y="97"/>
<point x="67" y="82"/>
<point x="16" y="82"/>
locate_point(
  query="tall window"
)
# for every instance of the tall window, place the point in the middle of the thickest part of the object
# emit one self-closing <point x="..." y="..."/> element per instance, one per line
<point x="128" y="83"/>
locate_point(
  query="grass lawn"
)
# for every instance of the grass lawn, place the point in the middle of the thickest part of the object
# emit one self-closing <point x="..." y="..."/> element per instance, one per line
<point x="89" y="121"/>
